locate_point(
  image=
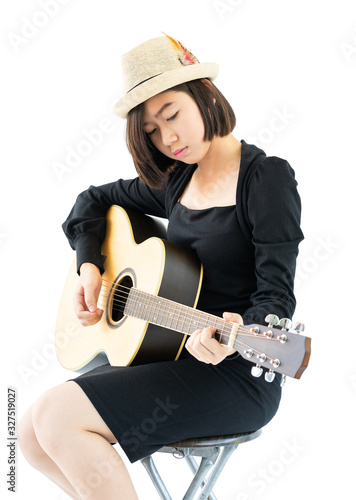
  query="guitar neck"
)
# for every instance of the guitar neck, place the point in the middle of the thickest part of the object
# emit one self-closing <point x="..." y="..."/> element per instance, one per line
<point x="174" y="316"/>
<point x="278" y="350"/>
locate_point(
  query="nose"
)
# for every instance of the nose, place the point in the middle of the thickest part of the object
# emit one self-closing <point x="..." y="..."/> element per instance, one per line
<point x="168" y="136"/>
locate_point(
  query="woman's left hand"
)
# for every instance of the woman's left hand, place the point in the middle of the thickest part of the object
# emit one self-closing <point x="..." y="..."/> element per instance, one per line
<point x="205" y="348"/>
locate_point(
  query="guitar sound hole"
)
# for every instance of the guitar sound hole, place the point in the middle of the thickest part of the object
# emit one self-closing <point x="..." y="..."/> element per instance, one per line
<point x="119" y="298"/>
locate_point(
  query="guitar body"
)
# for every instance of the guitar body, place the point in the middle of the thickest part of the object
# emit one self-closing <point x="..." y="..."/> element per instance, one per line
<point x="135" y="256"/>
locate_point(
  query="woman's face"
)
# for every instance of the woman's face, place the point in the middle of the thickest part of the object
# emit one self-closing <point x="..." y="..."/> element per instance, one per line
<point x="175" y="126"/>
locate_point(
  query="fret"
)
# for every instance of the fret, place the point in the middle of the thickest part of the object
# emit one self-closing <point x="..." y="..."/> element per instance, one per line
<point x="168" y="314"/>
<point x="204" y="319"/>
<point x="225" y="333"/>
<point x="177" y="314"/>
<point x="138" y="304"/>
<point x="186" y="325"/>
<point x="209" y="321"/>
<point x="175" y="317"/>
<point x="144" y="310"/>
<point x="193" y="323"/>
<point x="153" y="311"/>
<point x="170" y="317"/>
<point x="129" y="304"/>
<point x="179" y="318"/>
<point x="147" y="308"/>
<point x="150" y="309"/>
<point x="218" y="330"/>
<point x="159" y="316"/>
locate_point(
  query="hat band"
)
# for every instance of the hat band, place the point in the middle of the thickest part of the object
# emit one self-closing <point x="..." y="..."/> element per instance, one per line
<point x="143" y="81"/>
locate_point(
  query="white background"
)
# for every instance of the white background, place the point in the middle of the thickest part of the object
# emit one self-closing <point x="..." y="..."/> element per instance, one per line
<point x="60" y="76"/>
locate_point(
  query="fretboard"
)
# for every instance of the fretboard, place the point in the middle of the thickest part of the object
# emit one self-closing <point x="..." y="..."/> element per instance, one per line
<point x="174" y="316"/>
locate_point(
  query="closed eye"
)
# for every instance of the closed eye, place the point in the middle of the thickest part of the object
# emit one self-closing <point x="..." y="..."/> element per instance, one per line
<point x="173" y="117"/>
<point x="168" y="119"/>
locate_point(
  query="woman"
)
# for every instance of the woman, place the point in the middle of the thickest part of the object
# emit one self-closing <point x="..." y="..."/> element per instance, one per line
<point x="240" y="211"/>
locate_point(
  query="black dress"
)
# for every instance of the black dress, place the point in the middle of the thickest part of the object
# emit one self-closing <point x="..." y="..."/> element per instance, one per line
<point x="149" y="406"/>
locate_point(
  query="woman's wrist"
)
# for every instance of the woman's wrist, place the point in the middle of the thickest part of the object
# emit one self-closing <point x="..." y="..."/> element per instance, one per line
<point x="88" y="267"/>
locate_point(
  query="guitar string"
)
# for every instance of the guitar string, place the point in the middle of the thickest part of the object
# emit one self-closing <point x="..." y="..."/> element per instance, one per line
<point x="171" y="316"/>
<point x="221" y="332"/>
<point x="168" y="308"/>
<point x="167" y="303"/>
<point x="239" y="342"/>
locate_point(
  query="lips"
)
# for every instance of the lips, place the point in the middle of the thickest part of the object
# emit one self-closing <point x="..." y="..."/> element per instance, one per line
<point x="179" y="152"/>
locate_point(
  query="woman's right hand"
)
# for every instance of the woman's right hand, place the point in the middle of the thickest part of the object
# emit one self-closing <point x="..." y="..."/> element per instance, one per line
<point x="86" y="295"/>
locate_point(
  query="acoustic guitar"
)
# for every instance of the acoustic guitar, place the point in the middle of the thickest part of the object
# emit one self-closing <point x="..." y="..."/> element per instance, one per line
<point x="149" y="292"/>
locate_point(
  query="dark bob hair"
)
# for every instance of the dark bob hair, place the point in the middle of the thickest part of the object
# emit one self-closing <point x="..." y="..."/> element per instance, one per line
<point x="152" y="166"/>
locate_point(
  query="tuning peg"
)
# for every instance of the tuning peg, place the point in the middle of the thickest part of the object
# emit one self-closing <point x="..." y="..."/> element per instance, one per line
<point x="285" y="323"/>
<point x="283" y="380"/>
<point x="272" y="320"/>
<point x="269" y="376"/>
<point x="298" y="327"/>
<point x="282" y="338"/>
<point x="256" y="371"/>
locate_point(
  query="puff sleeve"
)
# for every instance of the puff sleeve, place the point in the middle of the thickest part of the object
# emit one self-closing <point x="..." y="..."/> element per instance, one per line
<point x="274" y="213"/>
<point x="85" y="225"/>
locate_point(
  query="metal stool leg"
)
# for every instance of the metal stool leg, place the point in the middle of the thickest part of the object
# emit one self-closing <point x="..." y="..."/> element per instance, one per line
<point x="150" y="467"/>
<point x="194" y="467"/>
<point x="192" y="463"/>
<point x="214" y="453"/>
<point x="225" y="454"/>
<point x="205" y="465"/>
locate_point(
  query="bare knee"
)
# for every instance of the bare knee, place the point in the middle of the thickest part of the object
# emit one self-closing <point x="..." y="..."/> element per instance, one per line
<point x="39" y="428"/>
<point x="28" y="442"/>
<point x="48" y="419"/>
<point x="63" y="412"/>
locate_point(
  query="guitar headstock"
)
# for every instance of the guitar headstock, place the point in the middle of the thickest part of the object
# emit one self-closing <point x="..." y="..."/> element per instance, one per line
<point x="278" y="346"/>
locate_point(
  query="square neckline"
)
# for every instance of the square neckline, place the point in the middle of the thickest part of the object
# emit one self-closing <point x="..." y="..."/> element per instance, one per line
<point x="193" y="168"/>
<point x="204" y="209"/>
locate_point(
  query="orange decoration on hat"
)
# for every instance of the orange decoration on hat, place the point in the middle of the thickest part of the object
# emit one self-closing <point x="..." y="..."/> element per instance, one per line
<point x="184" y="55"/>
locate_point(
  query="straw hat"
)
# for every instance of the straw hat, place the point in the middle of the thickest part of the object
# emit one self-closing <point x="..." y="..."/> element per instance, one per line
<point x="157" y="65"/>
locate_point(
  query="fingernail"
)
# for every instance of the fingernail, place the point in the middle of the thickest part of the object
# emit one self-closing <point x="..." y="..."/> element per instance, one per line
<point x="92" y="308"/>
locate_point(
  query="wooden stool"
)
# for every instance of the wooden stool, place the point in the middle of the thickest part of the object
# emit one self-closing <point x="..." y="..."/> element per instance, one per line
<point x="214" y="453"/>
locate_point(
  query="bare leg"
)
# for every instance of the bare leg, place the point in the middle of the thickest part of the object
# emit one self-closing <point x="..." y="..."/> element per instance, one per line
<point x="75" y="438"/>
<point x="35" y="455"/>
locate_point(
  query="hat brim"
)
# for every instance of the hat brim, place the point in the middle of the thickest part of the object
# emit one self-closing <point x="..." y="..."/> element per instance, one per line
<point x="161" y="83"/>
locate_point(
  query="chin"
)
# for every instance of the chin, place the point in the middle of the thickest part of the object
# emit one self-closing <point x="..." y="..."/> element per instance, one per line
<point x="185" y="161"/>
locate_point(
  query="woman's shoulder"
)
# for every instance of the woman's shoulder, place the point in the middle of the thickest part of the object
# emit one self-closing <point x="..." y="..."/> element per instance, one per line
<point x="256" y="166"/>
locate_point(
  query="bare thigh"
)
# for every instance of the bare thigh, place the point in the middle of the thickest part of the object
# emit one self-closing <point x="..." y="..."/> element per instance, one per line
<point x="66" y="407"/>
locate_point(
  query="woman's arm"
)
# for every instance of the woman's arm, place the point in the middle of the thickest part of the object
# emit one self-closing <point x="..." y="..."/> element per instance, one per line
<point x="274" y="210"/>
<point x="85" y="229"/>
<point x="85" y="226"/>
